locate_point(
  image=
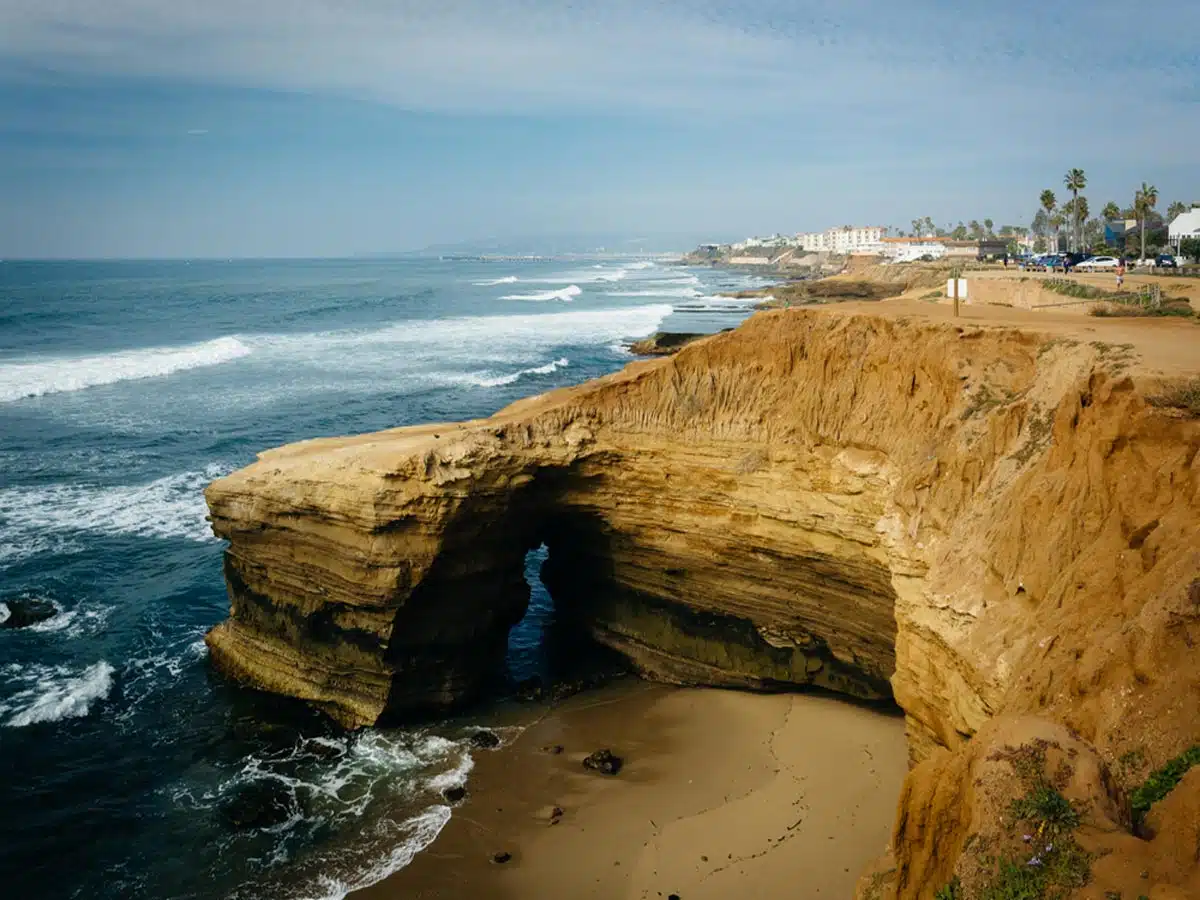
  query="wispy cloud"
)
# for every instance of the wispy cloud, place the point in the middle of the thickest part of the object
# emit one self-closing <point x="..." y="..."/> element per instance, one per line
<point x="668" y="55"/>
<point x="197" y="131"/>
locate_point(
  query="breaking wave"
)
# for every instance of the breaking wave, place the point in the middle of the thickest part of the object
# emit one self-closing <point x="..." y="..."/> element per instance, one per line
<point x="483" y="379"/>
<point x="21" y="380"/>
<point x="507" y="279"/>
<point x="564" y="294"/>
<point x="51" y="693"/>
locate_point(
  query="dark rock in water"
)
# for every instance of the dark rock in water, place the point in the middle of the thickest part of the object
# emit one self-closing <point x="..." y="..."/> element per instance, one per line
<point x="25" y="612"/>
<point x="530" y="689"/>
<point x="604" y="761"/>
<point x="553" y="749"/>
<point x="260" y="804"/>
<point x="454" y="794"/>
<point x="663" y="343"/>
<point x="502" y="857"/>
<point x="485" y="740"/>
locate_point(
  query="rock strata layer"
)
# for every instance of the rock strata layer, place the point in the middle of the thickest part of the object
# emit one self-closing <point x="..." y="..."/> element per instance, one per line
<point x="983" y="524"/>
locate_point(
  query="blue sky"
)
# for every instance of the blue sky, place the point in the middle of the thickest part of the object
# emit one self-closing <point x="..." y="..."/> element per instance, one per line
<point x="330" y="127"/>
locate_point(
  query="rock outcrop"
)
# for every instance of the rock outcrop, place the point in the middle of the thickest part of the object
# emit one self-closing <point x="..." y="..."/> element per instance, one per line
<point x="664" y="343"/>
<point x="985" y="524"/>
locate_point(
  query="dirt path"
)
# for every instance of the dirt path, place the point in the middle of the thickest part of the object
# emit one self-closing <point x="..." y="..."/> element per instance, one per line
<point x="1167" y="346"/>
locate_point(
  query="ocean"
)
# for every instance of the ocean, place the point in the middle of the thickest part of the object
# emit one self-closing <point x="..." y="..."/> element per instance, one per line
<point x="125" y="387"/>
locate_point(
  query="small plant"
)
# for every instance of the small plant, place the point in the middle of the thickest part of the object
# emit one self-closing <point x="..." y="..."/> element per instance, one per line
<point x="1053" y="864"/>
<point x="1045" y="805"/>
<point x="1161" y="782"/>
<point x="1132" y="760"/>
<point x="1182" y="394"/>
<point x="951" y="890"/>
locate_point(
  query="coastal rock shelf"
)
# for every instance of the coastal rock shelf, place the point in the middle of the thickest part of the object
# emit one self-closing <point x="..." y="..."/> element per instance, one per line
<point x="979" y="523"/>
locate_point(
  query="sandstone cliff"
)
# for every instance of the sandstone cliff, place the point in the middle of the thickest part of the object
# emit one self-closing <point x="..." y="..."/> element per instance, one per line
<point x="986" y="524"/>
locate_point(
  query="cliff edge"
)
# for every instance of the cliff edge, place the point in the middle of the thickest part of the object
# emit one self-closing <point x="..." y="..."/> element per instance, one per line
<point x="993" y="527"/>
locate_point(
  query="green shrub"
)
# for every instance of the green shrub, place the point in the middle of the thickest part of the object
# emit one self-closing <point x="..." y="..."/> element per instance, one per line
<point x="1163" y="780"/>
<point x="1182" y="394"/>
<point x="1045" y="805"/>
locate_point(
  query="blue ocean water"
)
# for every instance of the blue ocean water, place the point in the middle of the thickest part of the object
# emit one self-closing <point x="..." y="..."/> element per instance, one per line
<point x="125" y="387"/>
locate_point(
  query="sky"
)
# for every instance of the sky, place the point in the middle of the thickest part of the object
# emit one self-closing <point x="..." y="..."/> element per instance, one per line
<point x="192" y="128"/>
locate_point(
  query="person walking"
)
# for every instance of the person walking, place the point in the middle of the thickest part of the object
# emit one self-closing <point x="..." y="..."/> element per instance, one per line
<point x="1120" y="273"/>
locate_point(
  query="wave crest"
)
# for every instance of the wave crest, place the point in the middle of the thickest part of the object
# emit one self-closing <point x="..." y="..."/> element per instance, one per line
<point x="56" y="692"/>
<point x="485" y="380"/>
<point x="22" y="380"/>
<point x="564" y="294"/>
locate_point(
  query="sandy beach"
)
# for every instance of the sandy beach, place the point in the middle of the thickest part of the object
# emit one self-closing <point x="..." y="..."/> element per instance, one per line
<point x="722" y="793"/>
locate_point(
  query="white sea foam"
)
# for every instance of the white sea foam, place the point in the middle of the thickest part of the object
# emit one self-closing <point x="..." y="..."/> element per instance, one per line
<point x="664" y="292"/>
<point x="367" y="790"/>
<point x="85" y="619"/>
<point x="170" y="507"/>
<point x="643" y="264"/>
<point x="407" y="839"/>
<point x="5" y="613"/>
<point x="485" y="379"/>
<point x="52" y="693"/>
<point x="508" y="279"/>
<point x="35" y="378"/>
<point x="564" y="294"/>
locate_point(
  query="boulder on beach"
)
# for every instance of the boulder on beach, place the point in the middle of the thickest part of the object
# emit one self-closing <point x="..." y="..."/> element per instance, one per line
<point x="454" y="794"/>
<point x="485" y="740"/>
<point x="604" y="761"/>
<point x="23" y="612"/>
<point x="549" y="814"/>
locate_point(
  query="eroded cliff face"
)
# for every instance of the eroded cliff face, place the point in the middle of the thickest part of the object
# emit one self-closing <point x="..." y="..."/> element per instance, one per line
<point x="985" y="523"/>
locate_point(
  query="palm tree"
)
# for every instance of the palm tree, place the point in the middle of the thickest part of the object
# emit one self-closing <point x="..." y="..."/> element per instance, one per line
<point x="917" y="224"/>
<point x="1075" y="181"/>
<point x="989" y="224"/>
<point x="1178" y="208"/>
<point x="1111" y="211"/>
<point x="974" y="226"/>
<point x="1144" y="201"/>
<point x="1049" y="202"/>
<point x="1056" y="222"/>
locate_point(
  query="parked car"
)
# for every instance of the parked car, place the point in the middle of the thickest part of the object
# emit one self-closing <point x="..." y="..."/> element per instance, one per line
<point x="1098" y="262"/>
<point x="1165" y="261"/>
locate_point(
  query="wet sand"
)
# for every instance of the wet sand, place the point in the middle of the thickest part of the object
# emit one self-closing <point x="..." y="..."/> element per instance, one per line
<point x="722" y="794"/>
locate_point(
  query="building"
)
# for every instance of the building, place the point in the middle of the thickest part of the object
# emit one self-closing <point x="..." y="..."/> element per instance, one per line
<point x="842" y="239"/>
<point x="993" y="248"/>
<point x="1116" y="230"/>
<point x="1184" y="225"/>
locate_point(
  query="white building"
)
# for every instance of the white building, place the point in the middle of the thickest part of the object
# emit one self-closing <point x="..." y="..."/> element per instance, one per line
<point x="1185" y="225"/>
<point x="843" y="239"/>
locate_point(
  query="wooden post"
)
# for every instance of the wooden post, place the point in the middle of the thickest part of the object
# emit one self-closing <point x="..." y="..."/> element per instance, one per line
<point x="954" y="278"/>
